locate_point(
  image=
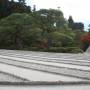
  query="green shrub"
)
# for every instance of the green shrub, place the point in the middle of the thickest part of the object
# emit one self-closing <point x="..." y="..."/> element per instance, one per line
<point x="65" y="49"/>
<point x="74" y="50"/>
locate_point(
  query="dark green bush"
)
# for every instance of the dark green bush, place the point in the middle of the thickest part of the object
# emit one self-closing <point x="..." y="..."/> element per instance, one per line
<point x="65" y="49"/>
<point x="74" y="50"/>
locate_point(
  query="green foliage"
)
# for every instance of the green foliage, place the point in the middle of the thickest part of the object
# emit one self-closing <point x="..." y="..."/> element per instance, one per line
<point x="75" y="25"/>
<point x="43" y="30"/>
<point x="8" y="7"/>
<point x="65" y="49"/>
<point x="32" y="38"/>
<point x="63" y="39"/>
<point x="12" y="29"/>
<point x="51" y="19"/>
<point x="70" y="22"/>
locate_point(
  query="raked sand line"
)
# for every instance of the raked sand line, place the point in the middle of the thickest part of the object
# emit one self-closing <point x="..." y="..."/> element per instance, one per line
<point x="48" y="68"/>
<point x="34" y="75"/>
<point x="48" y="63"/>
<point x="54" y="60"/>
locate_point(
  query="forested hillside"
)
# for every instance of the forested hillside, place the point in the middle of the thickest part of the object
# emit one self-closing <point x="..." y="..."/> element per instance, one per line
<point x="44" y="30"/>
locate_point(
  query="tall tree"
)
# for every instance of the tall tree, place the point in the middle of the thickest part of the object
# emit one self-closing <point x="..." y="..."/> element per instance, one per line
<point x="54" y="18"/>
<point x="78" y="26"/>
<point x="3" y="8"/>
<point x="34" y="8"/>
<point x="70" y="22"/>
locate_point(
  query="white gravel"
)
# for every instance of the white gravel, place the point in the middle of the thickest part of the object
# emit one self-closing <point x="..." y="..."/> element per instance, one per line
<point x="34" y="75"/>
<point x="48" y="63"/>
<point x="35" y="60"/>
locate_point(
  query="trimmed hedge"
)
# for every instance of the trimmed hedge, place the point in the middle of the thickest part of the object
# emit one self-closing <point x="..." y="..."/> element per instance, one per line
<point x="65" y="49"/>
<point x="58" y="49"/>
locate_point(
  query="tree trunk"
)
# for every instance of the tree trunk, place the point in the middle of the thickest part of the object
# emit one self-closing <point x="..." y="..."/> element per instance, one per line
<point x="18" y="41"/>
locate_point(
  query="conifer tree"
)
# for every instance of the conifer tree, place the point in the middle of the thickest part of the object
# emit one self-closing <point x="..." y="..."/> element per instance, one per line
<point x="70" y="22"/>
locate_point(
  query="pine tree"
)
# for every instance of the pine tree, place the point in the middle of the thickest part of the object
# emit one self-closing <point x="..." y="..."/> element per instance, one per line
<point x="3" y="8"/>
<point x="34" y="8"/>
<point x="70" y="22"/>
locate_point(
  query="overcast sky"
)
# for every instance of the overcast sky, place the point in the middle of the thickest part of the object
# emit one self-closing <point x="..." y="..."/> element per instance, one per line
<point x="79" y="9"/>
